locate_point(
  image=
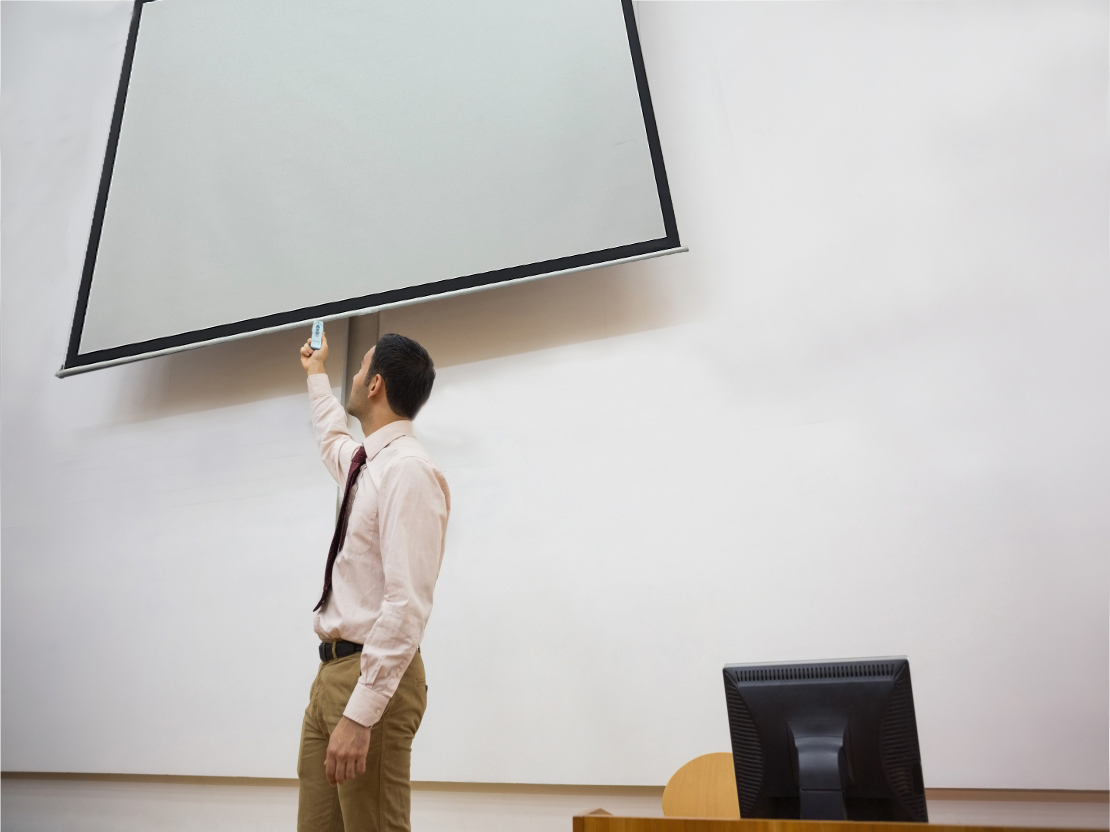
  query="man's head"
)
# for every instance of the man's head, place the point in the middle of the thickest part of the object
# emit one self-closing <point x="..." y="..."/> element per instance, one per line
<point x="396" y="373"/>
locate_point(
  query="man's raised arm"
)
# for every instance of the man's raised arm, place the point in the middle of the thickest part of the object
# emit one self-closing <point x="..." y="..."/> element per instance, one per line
<point x="329" y="420"/>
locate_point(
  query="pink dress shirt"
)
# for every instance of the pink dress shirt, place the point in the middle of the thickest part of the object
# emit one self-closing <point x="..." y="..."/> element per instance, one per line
<point x="387" y="565"/>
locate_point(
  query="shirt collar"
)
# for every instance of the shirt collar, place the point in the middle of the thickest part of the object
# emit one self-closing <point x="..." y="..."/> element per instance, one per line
<point x="384" y="435"/>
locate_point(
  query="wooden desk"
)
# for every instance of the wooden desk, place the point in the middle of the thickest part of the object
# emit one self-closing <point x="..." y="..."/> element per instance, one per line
<point x="611" y="823"/>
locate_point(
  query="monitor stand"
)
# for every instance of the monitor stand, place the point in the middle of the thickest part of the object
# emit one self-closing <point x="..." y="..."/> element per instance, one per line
<point x="822" y="773"/>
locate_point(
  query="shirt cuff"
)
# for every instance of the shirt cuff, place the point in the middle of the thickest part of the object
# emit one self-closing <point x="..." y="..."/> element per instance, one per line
<point x="365" y="705"/>
<point x="319" y="385"/>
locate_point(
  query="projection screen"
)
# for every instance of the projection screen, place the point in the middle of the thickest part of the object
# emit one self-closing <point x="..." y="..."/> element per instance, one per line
<point x="271" y="162"/>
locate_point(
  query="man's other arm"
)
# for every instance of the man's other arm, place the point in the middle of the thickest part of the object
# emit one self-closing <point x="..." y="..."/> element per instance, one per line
<point x="412" y="516"/>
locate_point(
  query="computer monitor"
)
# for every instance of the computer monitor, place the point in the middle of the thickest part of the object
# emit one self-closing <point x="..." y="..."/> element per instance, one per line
<point x="832" y="740"/>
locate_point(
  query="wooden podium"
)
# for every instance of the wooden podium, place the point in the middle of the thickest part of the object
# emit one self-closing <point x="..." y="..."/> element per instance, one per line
<point x="612" y="823"/>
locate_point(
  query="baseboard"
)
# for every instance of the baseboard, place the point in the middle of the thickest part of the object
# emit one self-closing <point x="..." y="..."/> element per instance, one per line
<point x="1021" y="795"/>
<point x="977" y="795"/>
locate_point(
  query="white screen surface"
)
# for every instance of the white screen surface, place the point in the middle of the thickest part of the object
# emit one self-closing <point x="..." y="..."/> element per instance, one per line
<point x="278" y="161"/>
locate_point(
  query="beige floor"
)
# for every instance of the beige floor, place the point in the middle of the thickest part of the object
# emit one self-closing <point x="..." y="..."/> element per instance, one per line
<point x="79" y="804"/>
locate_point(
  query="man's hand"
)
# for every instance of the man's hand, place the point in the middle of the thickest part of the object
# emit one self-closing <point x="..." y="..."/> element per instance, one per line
<point x="313" y="360"/>
<point x="347" y="749"/>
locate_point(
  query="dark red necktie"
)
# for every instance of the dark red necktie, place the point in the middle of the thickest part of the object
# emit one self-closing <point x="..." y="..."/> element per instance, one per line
<point x="357" y="461"/>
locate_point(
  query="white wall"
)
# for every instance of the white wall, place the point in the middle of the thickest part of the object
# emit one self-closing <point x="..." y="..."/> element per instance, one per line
<point x="862" y="416"/>
<point x="162" y="522"/>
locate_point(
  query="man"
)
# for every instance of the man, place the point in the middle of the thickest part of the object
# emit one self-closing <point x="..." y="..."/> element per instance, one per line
<point x="369" y="695"/>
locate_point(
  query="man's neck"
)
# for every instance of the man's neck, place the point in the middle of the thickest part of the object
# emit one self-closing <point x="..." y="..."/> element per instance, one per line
<point x="378" y="420"/>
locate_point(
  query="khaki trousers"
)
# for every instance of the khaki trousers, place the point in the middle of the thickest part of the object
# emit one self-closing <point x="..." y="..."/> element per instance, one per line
<point x="379" y="799"/>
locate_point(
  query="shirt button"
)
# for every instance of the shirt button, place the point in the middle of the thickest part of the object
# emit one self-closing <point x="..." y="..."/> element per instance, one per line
<point x="379" y="711"/>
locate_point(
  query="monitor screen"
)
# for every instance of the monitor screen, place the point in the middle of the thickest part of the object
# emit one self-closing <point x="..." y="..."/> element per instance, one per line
<point x="830" y="740"/>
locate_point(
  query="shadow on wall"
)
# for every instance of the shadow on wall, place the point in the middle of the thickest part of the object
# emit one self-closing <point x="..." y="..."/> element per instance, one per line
<point x="222" y="375"/>
<point x="508" y="320"/>
<point x="567" y="309"/>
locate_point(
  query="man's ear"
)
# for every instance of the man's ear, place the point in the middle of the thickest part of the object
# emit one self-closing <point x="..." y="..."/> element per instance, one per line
<point x="376" y="386"/>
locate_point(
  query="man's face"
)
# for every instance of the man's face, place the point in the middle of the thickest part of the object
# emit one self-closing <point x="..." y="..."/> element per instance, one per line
<point x="359" y="401"/>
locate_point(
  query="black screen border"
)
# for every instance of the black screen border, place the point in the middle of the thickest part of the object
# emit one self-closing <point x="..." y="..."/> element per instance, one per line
<point x="75" y="359"/>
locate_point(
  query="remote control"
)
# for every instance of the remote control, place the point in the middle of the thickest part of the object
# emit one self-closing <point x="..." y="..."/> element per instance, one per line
<point x="317" y="339"/>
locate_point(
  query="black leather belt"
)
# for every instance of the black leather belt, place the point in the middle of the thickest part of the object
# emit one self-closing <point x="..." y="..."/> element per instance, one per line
<point x="337" y="650"/>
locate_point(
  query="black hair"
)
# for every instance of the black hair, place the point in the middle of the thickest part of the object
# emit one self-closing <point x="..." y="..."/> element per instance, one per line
<point x="407" y="370"/>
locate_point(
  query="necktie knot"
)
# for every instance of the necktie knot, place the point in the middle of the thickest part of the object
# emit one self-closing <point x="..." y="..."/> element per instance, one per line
<point x="359" y="458"/>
